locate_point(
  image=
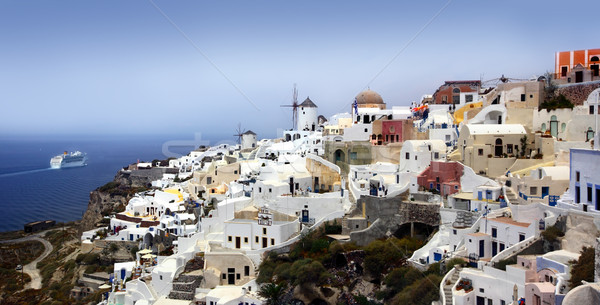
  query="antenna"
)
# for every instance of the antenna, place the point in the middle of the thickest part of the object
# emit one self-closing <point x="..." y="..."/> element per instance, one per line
<point x="294" y="107"/>
<point x="239" y="132"/>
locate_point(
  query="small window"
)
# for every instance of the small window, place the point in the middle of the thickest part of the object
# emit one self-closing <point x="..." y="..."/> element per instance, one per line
<point x="591" y="109"/>
<point x="415" y="157"/>
<point x="522" y="97"/>
<point x="509" y="148"/>
<point x="229" y="238"/>
<point x="366" y="130"/>
<point x="494" y="232"/>
<point x="256" y="239"/>
<point x="407" y="156"/>
<point x="245" y="240"/>
<point x="589" y="193"/>
<point x="237" y="276"/>
<point x="246" y="270"/>
<point x="260" y="189"/>
<point x="353" y="156"/>
<point x="272" y="241"/>
<point x="533" y="190"/>
<point x="270" y="190"/>
<point x="264" y="231"/>
<point x="521" y="237"/>
<point x="468" y="98"/>
<point x="436" y="155"/>
<point x="224" y="276"/>
<point x="454" y="232"/>
<point x="480" y="152"/>
<point x="577" y="176"/>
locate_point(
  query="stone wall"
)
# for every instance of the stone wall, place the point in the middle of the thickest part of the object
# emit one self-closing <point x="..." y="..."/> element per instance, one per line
<point x="386" y="215"/>
<point x="597" y="261"/>
<point x="577" y="94"/>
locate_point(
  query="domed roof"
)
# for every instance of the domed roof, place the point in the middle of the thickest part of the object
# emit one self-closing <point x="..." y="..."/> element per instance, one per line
<point x="369" y="97"/>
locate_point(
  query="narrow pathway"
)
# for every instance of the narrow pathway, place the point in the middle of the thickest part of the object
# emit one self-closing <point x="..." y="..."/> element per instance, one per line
<point x="31" y="268"/>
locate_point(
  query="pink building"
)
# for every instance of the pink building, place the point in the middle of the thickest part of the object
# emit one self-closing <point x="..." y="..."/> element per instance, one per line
<point x="442" y="176"/>
<point x="391" y="131"/>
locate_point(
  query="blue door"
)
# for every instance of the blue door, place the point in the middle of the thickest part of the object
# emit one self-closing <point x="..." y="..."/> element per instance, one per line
<point x="130" y="236"/>
<point x="437" y="257"/>
<point x="545" y="191"/>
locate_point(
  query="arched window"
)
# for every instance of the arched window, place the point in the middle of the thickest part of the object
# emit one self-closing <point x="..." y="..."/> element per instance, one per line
<point x="553" y="118"/>
<point x="563" y="126"/>
<point x="543" y="127"/>
<point x="594" y="58"/>
<point x="456" y="90"/>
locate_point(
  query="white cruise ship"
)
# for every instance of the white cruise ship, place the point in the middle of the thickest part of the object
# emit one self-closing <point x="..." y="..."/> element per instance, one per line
<point x="73" y="159"/>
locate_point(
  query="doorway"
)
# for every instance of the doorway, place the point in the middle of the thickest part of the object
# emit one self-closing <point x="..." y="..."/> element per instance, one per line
<point x="264" y="242"/>
<point x="238" y="243"/>
<point x="231" y="276"/>
<point x="579" y="76"/>
<point x="498" y="149"/>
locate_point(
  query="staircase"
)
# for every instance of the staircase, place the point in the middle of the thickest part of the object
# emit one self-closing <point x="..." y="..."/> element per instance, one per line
<point x="448" y="288"/>
<point x="511" y="196"/>
<point x="184" y="287"/>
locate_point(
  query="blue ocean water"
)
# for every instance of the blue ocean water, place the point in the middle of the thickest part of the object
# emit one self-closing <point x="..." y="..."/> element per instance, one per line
<point x="30" y="190"/>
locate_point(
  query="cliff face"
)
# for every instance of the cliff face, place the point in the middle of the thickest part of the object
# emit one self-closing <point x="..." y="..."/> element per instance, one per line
<point x="101" y="204"/>
<point x="113" y="196"/>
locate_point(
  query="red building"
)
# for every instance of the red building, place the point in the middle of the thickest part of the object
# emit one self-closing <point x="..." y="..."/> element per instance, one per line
<point x="391" y="131"/>
<point x="449" y="92"/>
<point x="442" y="176"/>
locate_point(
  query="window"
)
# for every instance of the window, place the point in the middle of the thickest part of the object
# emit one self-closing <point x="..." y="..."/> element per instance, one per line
<point x="494" y="232"/>
<point x="246" y="270"/>
<point x="256" y="239"/>
<point x="229" y="238"/>
<point x="245" y="240"/>
<point x="468" y="98"/>
<point x="272" y="241"/>
<point x="456" y="99"/>
<point x="407" y="156"/>
<point x="480" y="152"/>
<point x="444" y="98"/>
<point x="509" y="148"/>
<point x="415" y="157"/>
<point x="260" y="189"/>
<point x="456" y="90"/>
<point x="270" y="190"/>
<point x="224" y="276"/>
<point x="533" y="190"/>
<point x="563" y="71"/>
<point x="353" y="156"/>
<point x="454" y="232"/>
<point x="237" y="276"/>
<point x="264" y="231"/>
<point x="591" y="109"/>
<point x="589" y="193"/>
<point x="522" y="97"/>
<point x="490" y="302"/>
<point x="577" y="176"/>
<point x="436" y="155"/>
<point x="521" y="237"/>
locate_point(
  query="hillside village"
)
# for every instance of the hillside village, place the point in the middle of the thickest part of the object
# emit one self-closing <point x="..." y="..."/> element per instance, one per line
<point x="487" y="169"/>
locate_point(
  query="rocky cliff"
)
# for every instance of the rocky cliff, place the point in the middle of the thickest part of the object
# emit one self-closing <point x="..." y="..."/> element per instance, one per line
<point x="113" y="196"/>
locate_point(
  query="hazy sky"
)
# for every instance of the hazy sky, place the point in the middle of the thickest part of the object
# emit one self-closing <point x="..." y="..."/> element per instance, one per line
<point x="121" y="67"/>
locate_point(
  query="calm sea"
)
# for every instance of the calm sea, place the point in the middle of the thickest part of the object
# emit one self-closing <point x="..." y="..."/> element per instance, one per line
<point x="30" y="190"/>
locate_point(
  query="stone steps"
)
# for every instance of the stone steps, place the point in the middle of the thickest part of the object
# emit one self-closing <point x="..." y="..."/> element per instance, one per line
<point x="184" y="287"/>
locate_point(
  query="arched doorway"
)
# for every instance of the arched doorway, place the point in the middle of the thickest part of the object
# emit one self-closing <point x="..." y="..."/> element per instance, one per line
<point x="499" y="149"/>
<point x="340" y="156"/>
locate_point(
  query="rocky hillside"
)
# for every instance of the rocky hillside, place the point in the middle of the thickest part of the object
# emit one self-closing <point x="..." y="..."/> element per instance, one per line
<point x="113" y="196"/>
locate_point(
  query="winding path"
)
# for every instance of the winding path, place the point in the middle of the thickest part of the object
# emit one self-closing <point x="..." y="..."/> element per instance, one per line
<point x="31" y="268"/>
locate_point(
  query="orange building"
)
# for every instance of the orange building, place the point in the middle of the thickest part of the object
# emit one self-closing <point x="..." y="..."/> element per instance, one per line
<point x="577" y="66"/>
